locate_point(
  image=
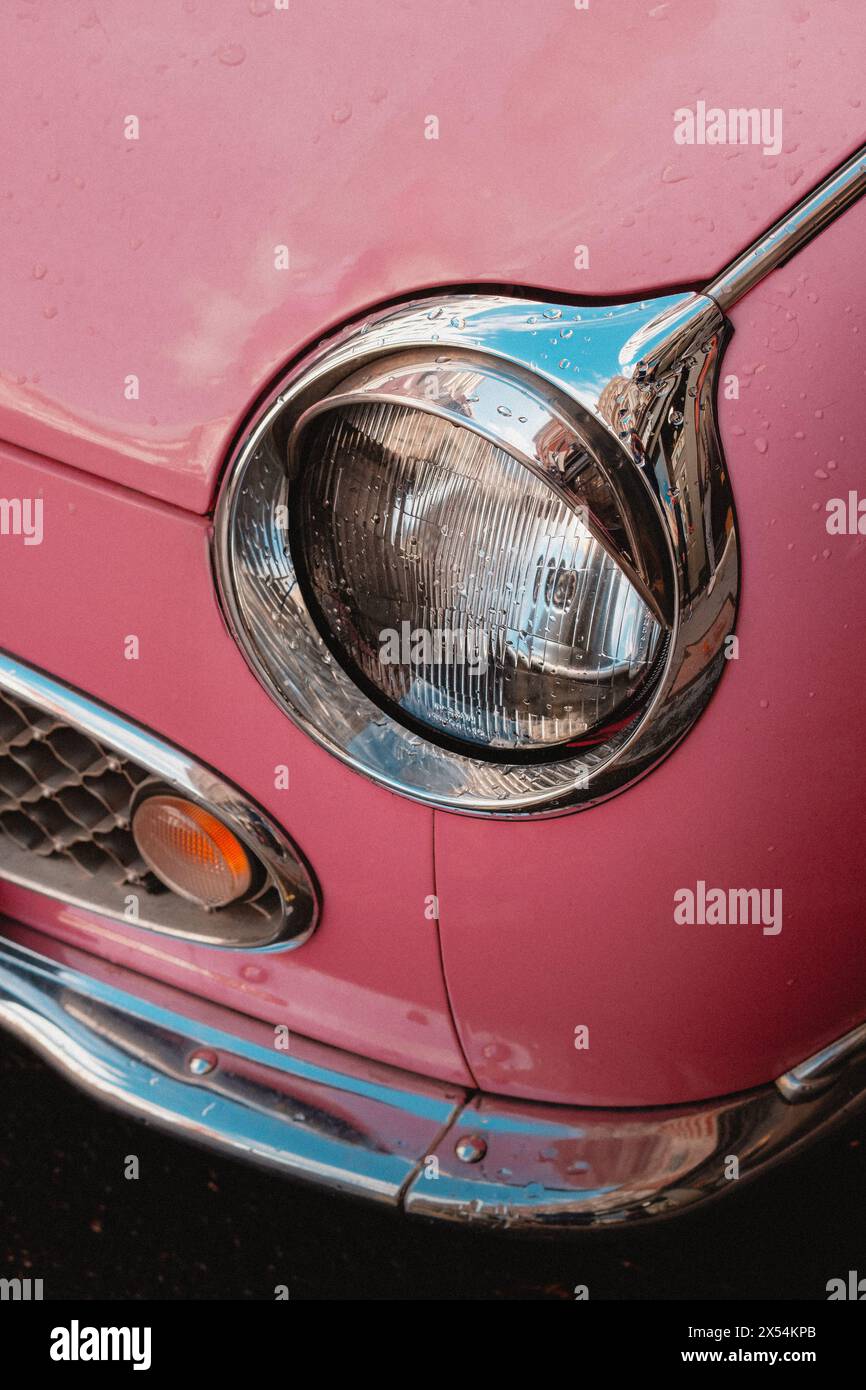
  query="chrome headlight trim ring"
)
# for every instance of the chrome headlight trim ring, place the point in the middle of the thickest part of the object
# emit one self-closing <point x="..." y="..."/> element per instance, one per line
<point x="639" y="379"/>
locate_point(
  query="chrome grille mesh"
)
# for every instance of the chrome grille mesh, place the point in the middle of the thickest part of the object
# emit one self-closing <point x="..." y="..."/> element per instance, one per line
<point x="63" y="794"/>
<point x="65" y="808"/>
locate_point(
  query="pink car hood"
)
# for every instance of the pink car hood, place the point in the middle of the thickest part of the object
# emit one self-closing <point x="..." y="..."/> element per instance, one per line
<point x="144" y="301"/>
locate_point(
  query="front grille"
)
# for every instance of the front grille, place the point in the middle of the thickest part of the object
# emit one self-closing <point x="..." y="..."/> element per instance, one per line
<point x="66" y="798"/>
<point x="64" y="795"/>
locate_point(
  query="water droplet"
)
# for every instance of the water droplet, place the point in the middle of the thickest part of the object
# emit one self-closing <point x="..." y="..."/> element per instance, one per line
<point x="50" y="311"/>
<point x="231" y="55"/>
<point x="503" y="410"/>
<point x="341" y="115"/>
<point x="39" y="271"/>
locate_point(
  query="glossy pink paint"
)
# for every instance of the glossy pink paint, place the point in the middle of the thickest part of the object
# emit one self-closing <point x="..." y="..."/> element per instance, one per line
<point x="305" y="128"/>
<point x="112" y="564"/>
<point x="155" y="257"/>
<point x="549" y="926"/>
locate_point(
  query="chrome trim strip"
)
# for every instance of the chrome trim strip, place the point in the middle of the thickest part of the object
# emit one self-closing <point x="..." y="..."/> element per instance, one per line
<point x="323" y="1119"/>
<point x="545" y="1168"/>
<point x="821" y="1070"/>
<point x="793" y="231"/>
<point x="263" y="837"/>
<point x="204" y="1073"/>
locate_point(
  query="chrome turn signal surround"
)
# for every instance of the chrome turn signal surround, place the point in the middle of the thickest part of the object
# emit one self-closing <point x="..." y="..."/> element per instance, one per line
<point x="74" y="778"/>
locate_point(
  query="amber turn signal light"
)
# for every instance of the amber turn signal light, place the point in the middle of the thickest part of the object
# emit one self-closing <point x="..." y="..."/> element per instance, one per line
<point x="191" y="851"/>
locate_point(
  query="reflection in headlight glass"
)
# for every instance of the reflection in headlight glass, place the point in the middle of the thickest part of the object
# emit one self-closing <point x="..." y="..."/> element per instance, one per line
<point x="465" y="590"/>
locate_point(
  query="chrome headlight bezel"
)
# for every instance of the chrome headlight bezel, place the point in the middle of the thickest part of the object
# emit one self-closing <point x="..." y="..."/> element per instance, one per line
<point x="639" y="380"/>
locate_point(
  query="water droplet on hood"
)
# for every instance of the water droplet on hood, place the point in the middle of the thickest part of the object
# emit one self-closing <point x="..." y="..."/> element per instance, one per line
<point x="231" y="55"/>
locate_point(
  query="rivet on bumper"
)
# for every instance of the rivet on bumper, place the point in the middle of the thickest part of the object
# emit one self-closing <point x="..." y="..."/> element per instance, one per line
<point x="471" y="1148"/>
<point x="202" y="1062"/>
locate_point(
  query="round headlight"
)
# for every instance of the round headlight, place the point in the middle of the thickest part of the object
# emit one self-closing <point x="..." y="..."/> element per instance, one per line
<point x="467" y="587"/>
<point x="444" y="550"/>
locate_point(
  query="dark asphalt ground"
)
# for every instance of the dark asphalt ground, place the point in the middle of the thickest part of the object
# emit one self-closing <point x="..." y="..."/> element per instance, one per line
<point x="198" y="1227"/>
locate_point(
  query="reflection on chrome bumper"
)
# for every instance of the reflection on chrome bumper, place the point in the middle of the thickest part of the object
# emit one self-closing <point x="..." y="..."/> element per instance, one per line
<point x="358" y="1126"/>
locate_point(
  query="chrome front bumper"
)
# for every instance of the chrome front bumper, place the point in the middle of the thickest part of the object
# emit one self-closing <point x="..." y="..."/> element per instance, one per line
<point x="313" y="1112"/>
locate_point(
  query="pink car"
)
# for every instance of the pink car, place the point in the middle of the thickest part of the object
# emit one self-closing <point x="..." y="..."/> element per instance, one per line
<point x="422" y="424"/>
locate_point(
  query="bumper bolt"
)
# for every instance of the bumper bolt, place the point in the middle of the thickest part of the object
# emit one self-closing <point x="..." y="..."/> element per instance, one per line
<point x="201" y="1062"/>
<point x="471" y="1148"/>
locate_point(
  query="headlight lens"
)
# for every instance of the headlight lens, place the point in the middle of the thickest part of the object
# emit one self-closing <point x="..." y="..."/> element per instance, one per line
<point x="467" y="594"/>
